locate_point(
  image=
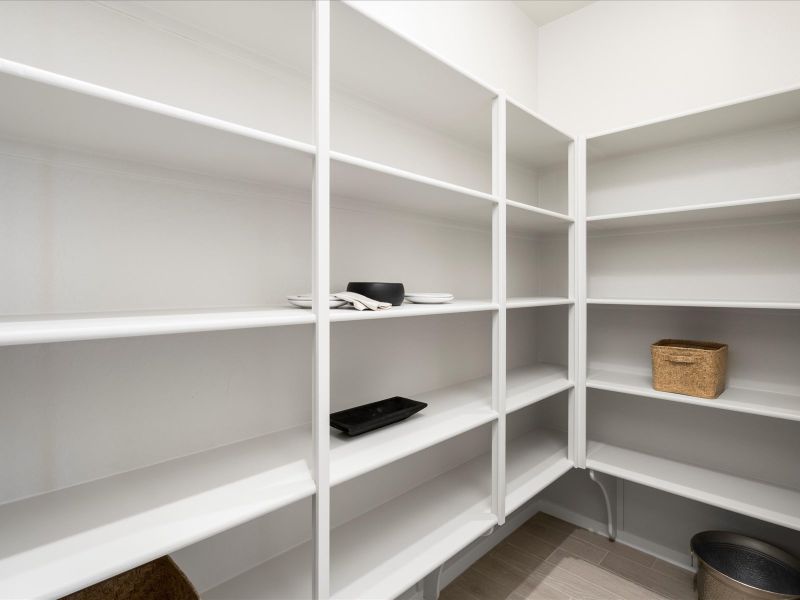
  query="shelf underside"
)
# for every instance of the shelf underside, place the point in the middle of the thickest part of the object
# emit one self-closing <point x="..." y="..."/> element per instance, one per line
<point x="757" y="402"/>
<point x="56" y="543"/>
<point x="526" y="220"/>
<point x="762" y="501"/>
<point x="385" y="551"/>
<point x="527" y="385"/>
<point x="44" y="108"/>
<point x="534" y="301"/>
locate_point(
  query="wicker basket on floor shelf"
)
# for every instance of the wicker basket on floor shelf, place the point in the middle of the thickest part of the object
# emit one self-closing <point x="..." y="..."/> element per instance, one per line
<point x="690" y="368"/>
<point x="160" y="579"/>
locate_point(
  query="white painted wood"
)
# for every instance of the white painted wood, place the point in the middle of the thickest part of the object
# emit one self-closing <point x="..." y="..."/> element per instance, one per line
<point x="579" y="187"/>
<point x="499" y="295"/>
<point x="60" y="542"/>
<point x="450" y="412"/>
<point x="527" y="220"/>
<point x="56" y="110"/>
<point x="751" y="401"/>
<point x="535" y="460"/>
<point x="321" y="256"/>
<point x="409" y="309"/>
<point x="535" y="301"/>
<point x="63" y="328"/>
<point x="382" y="553"/>
<point x="528" y="385"/>
<point x="770" y="207"/>
<point x="749" y="497"/>
<point x="695" y="303"/>
<point x="762" y="111"/>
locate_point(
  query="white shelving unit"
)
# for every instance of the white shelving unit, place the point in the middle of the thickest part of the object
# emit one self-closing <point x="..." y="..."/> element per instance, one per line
<point x="164" y="399"/>
<point x="692" y="231"/>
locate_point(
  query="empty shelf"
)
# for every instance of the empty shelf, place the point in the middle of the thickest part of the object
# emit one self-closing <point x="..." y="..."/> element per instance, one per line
<point x="380" y="185"/>
<point x="56" y="543"/>
<point x="43" y="107"/>
<point x="524" y="219"/>
<point x="752" y="498"/>
<point x="450" y="412"/>
<point x="532" y="141"/>
<point x="695" y="303"/>
<point x="283" y="577"/>
<point x="527" y="385"/>
<point x="413" y="310"/>
<point x="65" y="328"/>
<point x="755" y="208"/>
<point x="757" y="402"/>
<point x="534" y="301"/>
<point x="385" y="551"/>
<point x="534" y="461"/>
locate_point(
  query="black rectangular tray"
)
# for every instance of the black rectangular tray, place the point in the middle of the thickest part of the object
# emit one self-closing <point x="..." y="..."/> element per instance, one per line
<point x="367" y="417"/>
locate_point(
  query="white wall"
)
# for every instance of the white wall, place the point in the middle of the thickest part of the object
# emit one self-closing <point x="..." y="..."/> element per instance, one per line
<point x="493" y="40"/>
<point x="617" y="63"/>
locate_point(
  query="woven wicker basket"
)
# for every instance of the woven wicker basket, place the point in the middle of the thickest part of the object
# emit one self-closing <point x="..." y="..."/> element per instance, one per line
<point x="690" y="368"/>
<point x="160" y="579"/>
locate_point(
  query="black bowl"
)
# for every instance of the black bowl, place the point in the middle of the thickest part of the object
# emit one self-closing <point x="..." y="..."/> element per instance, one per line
<point x="394" y="293"/>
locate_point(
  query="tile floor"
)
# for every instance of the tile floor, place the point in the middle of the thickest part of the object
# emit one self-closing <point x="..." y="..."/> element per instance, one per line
<point x="550" y="559"/>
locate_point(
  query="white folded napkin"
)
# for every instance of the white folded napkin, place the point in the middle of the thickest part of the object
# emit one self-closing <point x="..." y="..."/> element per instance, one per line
<point x="360" y="302"/>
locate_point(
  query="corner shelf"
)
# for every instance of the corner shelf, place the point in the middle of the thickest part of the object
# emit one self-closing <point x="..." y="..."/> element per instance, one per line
<point x="755" y="402"/>
<point x="745" y="496"/>
<point x="55" y="110"/>
<point x="451" y="411"/>
<point x="67" y="328"/>
<point x="528" y="385"/>
<point x="56" y="543"/>
<point x="532" y="220"/>
<point x="534" y="461"/>
<point x="412" y="310"/>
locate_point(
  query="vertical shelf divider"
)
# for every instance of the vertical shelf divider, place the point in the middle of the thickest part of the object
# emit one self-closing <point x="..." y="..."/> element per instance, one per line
<point x="499" y="298"/>
<point x="578" y="183"/>
<point x="320" y="290"/>
<point x="573" y="320"/>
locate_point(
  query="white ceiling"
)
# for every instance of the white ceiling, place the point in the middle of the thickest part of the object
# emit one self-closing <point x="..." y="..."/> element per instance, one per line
<point x="542" y="12"/>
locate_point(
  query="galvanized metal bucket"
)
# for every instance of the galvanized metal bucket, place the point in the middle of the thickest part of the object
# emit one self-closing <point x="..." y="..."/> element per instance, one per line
<point x="737" y="567"/>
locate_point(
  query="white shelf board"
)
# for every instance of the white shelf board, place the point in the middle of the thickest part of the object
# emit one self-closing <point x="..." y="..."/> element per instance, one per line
<point x="534" y="301"/>
<point x="528" y="385"/>
<point x="756" y="499"/>
<point x="46" y="108"/>
<point x="756" y="402"/>
<point x="283" y="577"/>
<point x="60" y="542"/>
<point x="376" y="63"/>
<point x="451" y="411"/>
<point x="772" y="207"/>
<point x="64" y="328"/>
<point x="524" y="219"/>
<point x="694" y="303"/>
<point x="385" y="551"/>
<point x="380" y="185"/>
<point x="768" y="110"/>
<point x="534" y="461"/>
<point x="413" y="310"/>
<point x="533" y="142"/>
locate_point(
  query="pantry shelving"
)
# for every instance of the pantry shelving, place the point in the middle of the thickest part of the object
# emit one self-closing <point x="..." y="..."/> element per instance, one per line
<point x="156" y="222"/>
<point x="750" y="497"/>
<point x="67" y="539"/>
<point x="61" y="328"/>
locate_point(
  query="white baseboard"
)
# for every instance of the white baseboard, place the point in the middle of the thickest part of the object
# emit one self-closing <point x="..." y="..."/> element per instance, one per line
<point x="679" y="559"/>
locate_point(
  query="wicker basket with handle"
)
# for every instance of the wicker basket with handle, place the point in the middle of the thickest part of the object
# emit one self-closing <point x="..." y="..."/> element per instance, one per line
<point x="160" y="579"/>
<point x="690" y="368"/>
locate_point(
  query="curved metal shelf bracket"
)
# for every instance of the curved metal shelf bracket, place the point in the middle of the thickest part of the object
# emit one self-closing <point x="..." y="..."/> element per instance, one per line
<point x="612" y="526"/>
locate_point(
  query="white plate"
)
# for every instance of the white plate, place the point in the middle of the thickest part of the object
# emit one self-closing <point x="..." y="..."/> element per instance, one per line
<point x="429" y="295"/>
<point x="304" y="301"/>
<point x="428" y="300"/>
